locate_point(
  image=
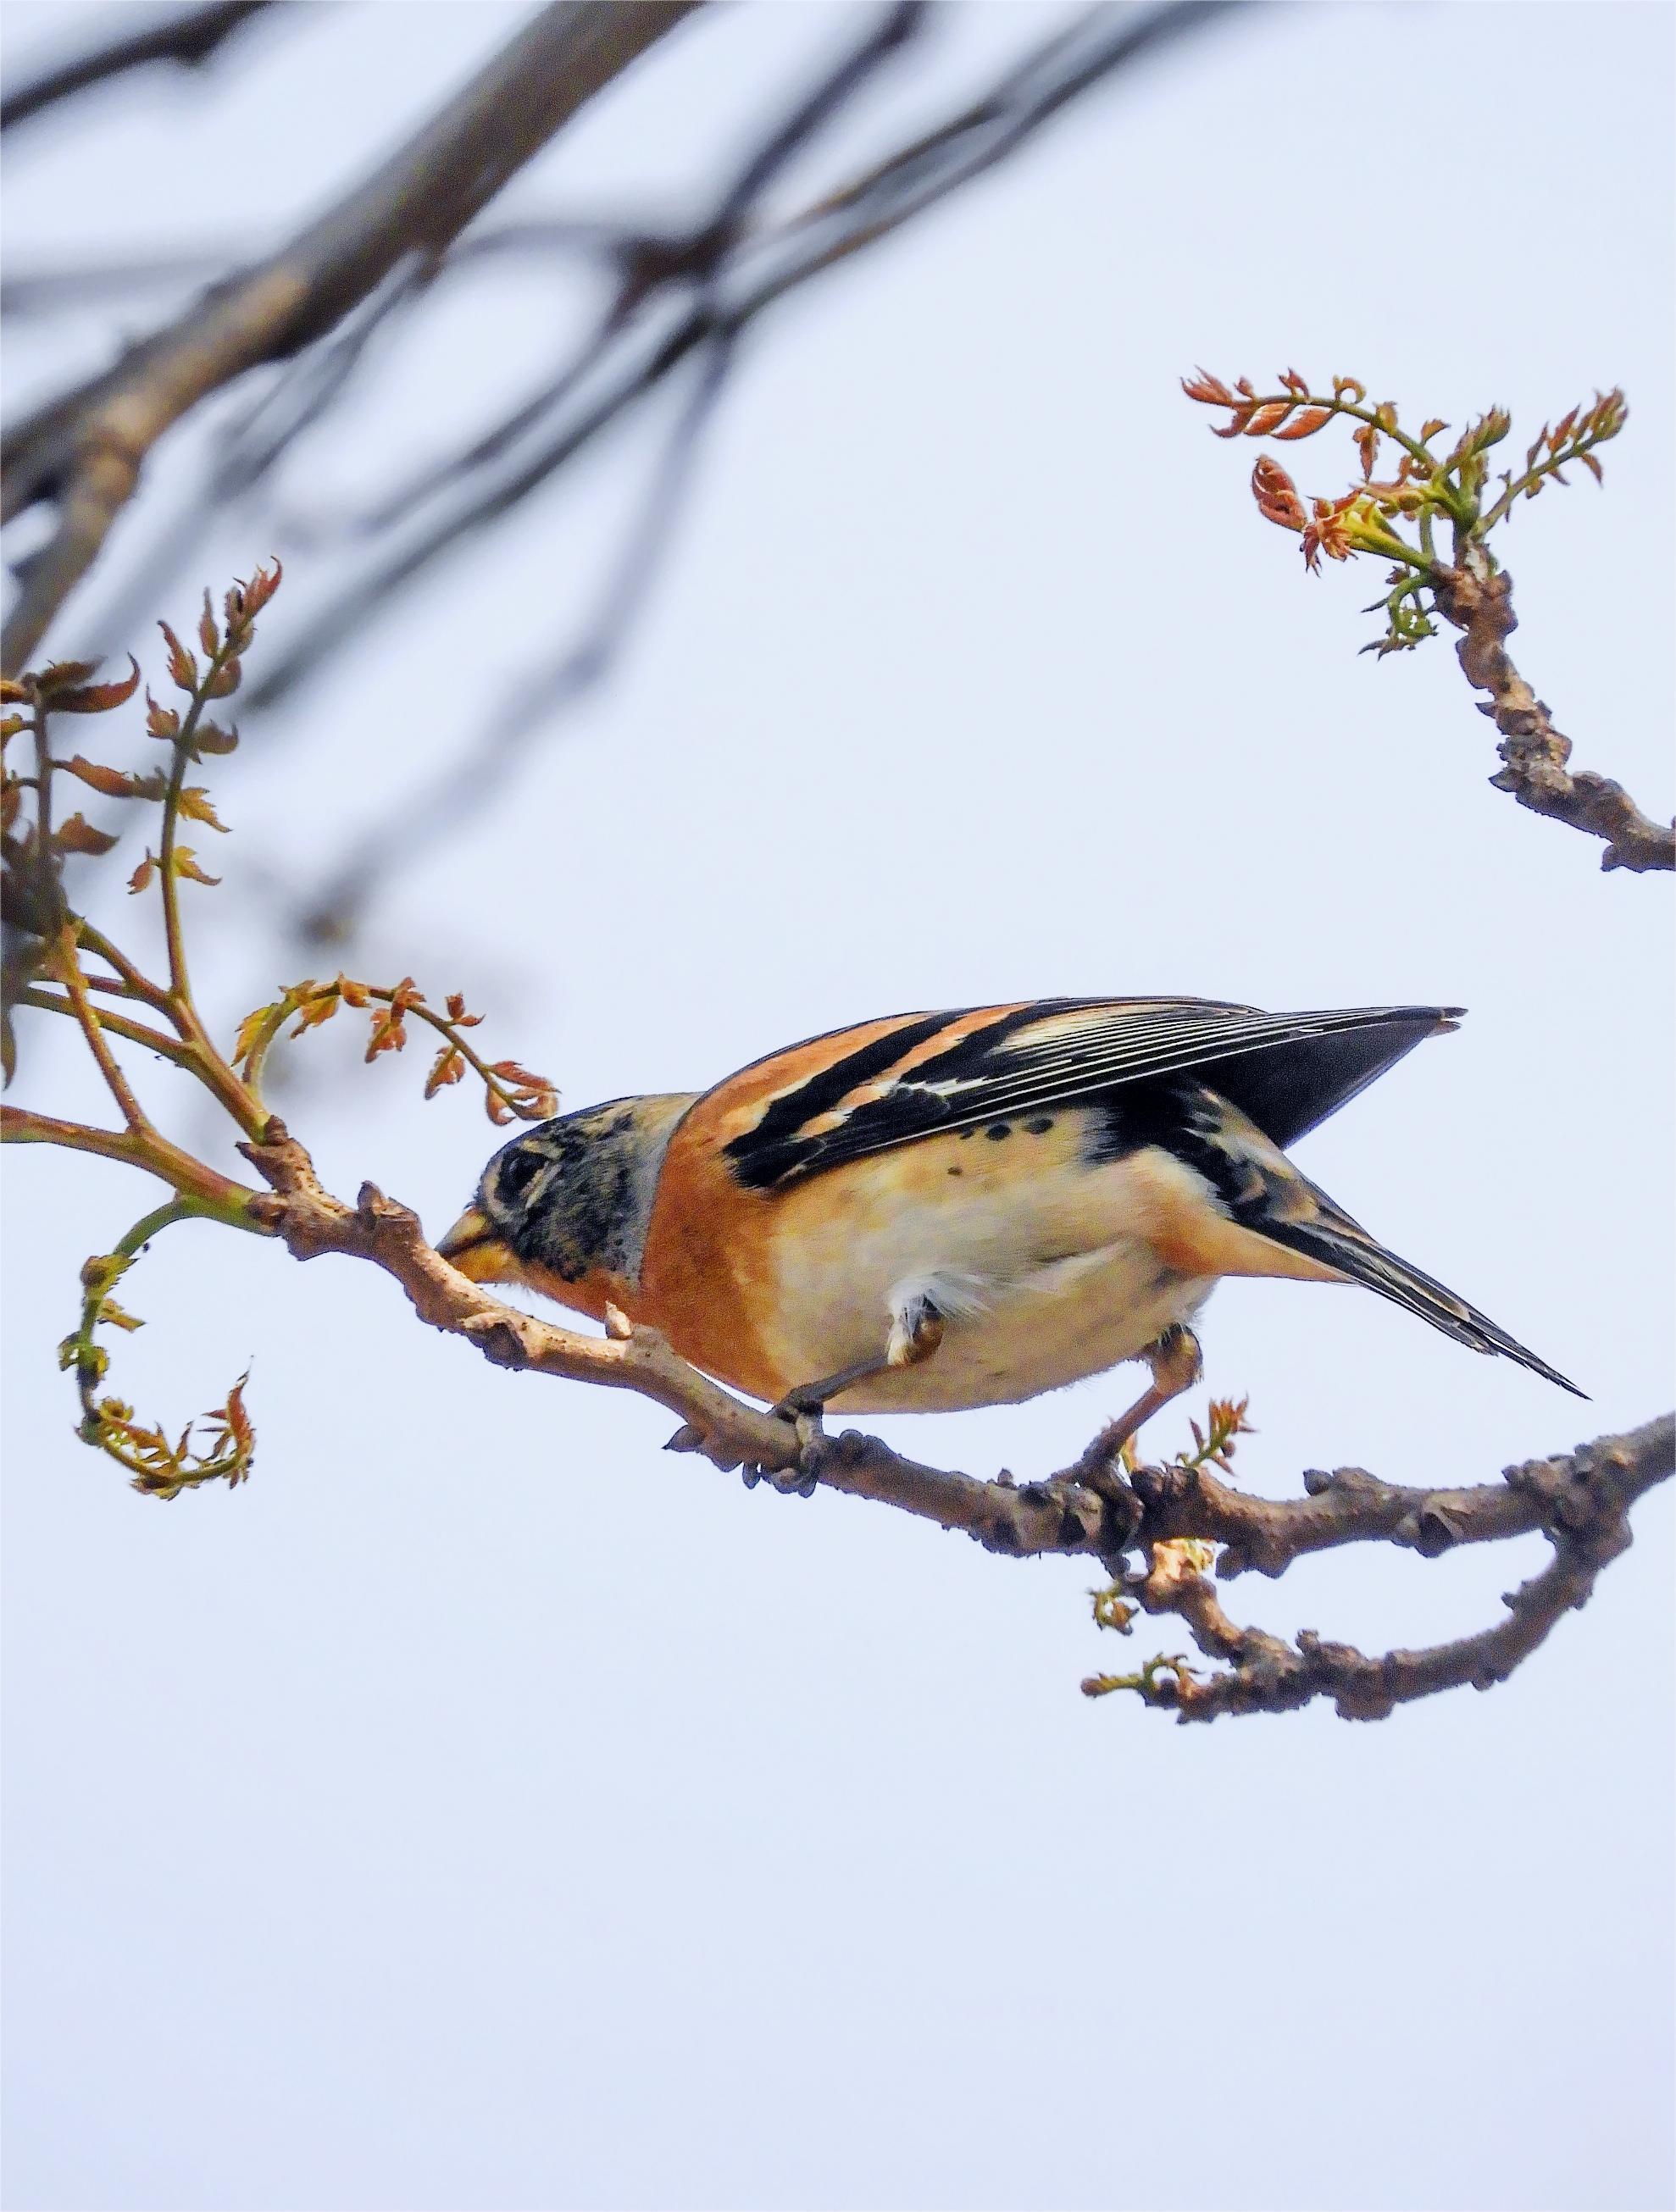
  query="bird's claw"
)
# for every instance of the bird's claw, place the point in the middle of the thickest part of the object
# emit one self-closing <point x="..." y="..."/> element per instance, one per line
<point x="1176" y="1360"/>
<point x="806" y="1403"/>
<point x="788" y="1481"/>
<point x="793" y="1482"/>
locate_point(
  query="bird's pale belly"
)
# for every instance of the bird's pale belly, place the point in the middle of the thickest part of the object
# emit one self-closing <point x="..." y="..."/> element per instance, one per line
<point x="1041" y="1279"/>
<point x="1076" y="1317"/>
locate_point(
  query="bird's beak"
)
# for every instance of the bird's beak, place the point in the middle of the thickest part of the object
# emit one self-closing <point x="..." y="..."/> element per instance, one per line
<point x="472" y="1247"/>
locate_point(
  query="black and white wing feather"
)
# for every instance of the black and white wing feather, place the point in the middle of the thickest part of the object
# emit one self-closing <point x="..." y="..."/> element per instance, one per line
<point x="936" y="1073"/>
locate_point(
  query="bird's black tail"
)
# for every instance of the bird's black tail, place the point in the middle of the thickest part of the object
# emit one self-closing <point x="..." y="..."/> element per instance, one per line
<point x="1342" y="1245"/>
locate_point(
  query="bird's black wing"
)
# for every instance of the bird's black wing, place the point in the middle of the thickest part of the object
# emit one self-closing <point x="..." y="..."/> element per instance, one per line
<point x="1287" y="1072"/>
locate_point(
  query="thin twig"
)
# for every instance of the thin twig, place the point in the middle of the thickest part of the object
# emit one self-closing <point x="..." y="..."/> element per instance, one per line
<point x="147" y="1149"/>
<point x="32" y="994"/>
<point x="188" y="38"/>
<point x="65" y="967"/>
<point x="404" y="833"/>
<point x="85" y="449"/>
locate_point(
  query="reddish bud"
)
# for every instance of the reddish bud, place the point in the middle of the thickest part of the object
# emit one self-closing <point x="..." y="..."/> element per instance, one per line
<point x="448" y="1067"/>
<point x="59" y="676"/>
<point x="245" y="601"/>
<point x="97" y="698"/>
<point x="195" y="806"/>
<point x="1276" y="494"/>
<point x="77" y="836"/>
<point x="1209" y="390"/>
<point x="315" y="1011"/>
<point x="182" y="665"/>
<point x="1305" y="425"/>
<point x="112" y="782"/>
<point x="1329" y="532"/>
<point x="161" y="721"/>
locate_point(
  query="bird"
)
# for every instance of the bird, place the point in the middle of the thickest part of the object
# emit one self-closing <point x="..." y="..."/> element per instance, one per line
<point x="937" y="1210"/>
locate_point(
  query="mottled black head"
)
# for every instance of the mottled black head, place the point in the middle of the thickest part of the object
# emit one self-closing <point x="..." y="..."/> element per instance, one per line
<point x="572" y="1197"/>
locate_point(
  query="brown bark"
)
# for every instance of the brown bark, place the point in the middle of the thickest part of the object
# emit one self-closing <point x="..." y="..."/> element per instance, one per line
<point x="1479" y="600"/>
<point x="86" y="449"/>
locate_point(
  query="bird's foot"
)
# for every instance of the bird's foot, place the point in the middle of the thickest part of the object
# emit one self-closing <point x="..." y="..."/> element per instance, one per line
<point x="803" y="1410"/>
<point x="1176" y="1360"/>
<point x="1177" y="1363"/>
<point x="915" y="1334"/>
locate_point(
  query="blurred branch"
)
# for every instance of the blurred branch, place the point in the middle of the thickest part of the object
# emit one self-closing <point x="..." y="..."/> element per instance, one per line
<point x="50" y="289"/>
<point x="406" y="829"/>
<point x="189" y="37"/>
<point x="737" y="272"/>
<point x="677" y="308"/>
<point x="83" y="451"/>
<point x="731" y="271"/>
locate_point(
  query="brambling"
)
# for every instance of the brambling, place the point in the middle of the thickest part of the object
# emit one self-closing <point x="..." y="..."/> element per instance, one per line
<point x="946" y="1210"/>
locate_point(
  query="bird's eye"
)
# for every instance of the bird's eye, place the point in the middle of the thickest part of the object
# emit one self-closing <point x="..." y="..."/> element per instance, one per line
<point x="519" y="1166"/>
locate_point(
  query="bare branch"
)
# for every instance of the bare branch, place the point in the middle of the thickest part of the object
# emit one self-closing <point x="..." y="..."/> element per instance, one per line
<point x="733" y="273"/>
<point x="404" y="831"/>
<point x="738" y="274"/>
<point x="189" y="37"/>
<point x="85" y="449"/>
<point x="1479" y="600"/>
<point x="1172" y="1517"/>
<point x="1580" y="1501"/>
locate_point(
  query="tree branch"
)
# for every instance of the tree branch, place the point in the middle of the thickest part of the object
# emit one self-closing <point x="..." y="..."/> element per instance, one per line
<point x="85" y="449"/>
<point x="730" y="273"/>
<point x="1479" y="600"/>
<point x="1580" y="1501"/>
<point x="189" y="37"/>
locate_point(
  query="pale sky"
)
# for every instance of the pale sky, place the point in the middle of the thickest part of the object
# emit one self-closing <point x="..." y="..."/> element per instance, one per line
<point x="482" y="1808"/>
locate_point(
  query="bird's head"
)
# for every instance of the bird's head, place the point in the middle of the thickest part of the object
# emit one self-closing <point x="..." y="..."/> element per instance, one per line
<point x="564" y="1208"/>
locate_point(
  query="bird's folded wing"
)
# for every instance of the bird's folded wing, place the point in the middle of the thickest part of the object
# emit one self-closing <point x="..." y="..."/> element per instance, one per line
<point x="935" y="1072"/>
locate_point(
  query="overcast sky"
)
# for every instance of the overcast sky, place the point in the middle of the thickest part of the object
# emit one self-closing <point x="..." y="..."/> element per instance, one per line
<point x="482" y="1809"/>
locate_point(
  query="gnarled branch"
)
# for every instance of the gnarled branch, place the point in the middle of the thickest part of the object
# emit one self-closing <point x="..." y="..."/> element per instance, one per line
<point x="1580" y="1501"/>
<point x="1479" y="600"/>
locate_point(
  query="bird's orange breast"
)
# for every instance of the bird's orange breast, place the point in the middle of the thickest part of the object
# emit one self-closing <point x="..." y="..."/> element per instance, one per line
<point x="706" y="1278"/>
